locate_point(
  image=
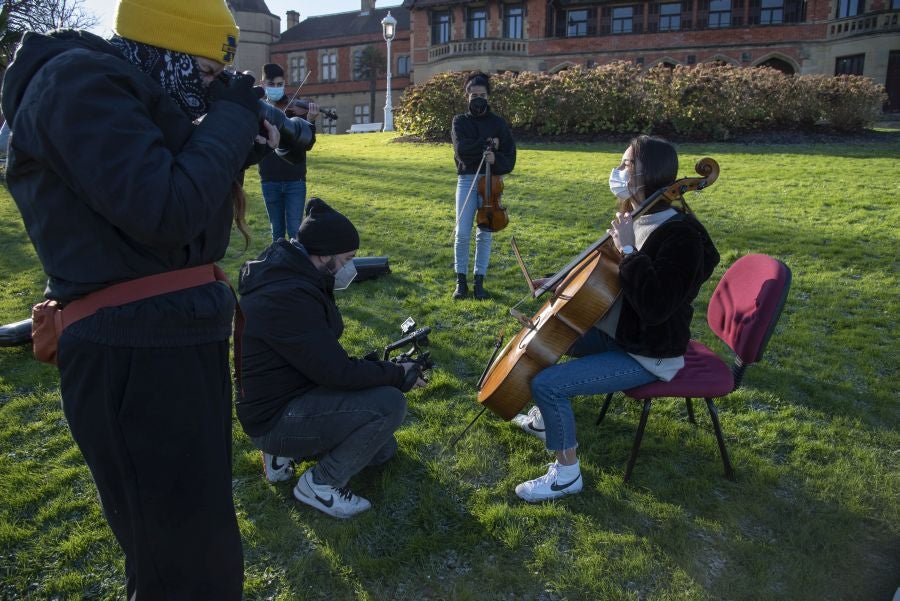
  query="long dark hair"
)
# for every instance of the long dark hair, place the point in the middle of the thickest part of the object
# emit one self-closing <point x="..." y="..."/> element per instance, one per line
<point x="658" y="162"/>
<point x="240" y="211"/>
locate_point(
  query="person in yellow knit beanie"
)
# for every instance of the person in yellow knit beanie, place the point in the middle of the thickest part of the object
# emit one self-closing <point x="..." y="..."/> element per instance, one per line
<point x="119" y="183"/>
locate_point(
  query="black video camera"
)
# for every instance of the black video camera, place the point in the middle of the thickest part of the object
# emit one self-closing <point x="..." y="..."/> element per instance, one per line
<point x="414" y="354"/>
<point x="295" y="132"/>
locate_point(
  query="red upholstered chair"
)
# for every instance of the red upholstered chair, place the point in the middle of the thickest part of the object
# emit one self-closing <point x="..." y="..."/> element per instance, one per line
<point x="742" y="312"/>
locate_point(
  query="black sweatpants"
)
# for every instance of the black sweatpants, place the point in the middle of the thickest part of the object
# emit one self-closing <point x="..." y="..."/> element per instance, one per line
<point x="154" y="426"/>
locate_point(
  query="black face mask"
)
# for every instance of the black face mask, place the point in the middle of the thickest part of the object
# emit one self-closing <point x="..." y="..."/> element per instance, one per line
<point x="478" y="106"/>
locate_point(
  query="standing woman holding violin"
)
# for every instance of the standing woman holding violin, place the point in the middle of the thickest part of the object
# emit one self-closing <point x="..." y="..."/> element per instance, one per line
<point x="478" y="135"/>
<point x="666" y="256"/>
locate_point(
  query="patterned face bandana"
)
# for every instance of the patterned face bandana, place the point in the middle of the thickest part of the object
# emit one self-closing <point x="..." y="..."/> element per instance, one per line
<point x="176" y="72"/>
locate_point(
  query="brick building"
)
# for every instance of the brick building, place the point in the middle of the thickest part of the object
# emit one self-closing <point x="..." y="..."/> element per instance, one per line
<point x="330" y="48"/>
<point x="796" y="36"/>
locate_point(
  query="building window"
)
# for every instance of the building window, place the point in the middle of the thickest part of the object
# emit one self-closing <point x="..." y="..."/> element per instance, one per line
<point x="297" y="65"/>
<point x="476" y="25"/>
<point x="895" y="5"/>
<point x="771" y="12"/>
<point x="440" y="27"/>
<point x="402" y="65"/>
<point x="719" y="13"/>
<point x="514" y="21"/>
<point x="670" y="16"/>
<point x="622" y="19"/>
<point x="329" y="66"/>
<point x="849" y="65"/>
<point x="849" y="8"/>
<point x="576" y="23"/>
<point x="329" y="126"/>
<point x="357" y="63"/>
<point x="361" y="113"/>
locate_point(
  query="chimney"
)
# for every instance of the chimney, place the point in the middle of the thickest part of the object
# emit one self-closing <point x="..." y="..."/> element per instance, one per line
<point x="367" y="6"/>
<point x="293" y="18"/>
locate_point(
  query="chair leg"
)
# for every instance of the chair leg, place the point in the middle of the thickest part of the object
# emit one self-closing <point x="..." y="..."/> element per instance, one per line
<point x="690" y="410"/>
<point x="714" y="416"/>
<point x="637" y="439"/>
<point x="604" y="408"/>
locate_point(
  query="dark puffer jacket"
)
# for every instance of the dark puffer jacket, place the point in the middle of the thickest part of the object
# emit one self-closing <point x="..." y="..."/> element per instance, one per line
<point x="114" y="182"/>
<point x="659" y="283"/>
<point x="291" y="340"/>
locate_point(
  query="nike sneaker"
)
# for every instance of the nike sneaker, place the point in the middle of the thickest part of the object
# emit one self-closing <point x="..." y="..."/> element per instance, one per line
<point x="551" y="485"/>
<point x="533" y="423"/>
<point x="278" y="469"/>
<point x="336" y="502"/>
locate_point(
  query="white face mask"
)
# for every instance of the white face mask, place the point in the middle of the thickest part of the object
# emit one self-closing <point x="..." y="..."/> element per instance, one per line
<point x="345" y="275"/>
<point x="619" y="181"/>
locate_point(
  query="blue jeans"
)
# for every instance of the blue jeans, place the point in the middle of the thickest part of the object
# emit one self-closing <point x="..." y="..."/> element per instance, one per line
<point x="346" y="430"/>
<point x="600" y="366"/>
<point x="465" y="218"/>
<point x="284" y="204"/>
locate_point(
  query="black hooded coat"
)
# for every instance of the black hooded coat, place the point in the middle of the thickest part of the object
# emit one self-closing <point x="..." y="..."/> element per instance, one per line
<point x="291" y="340"/>
<point x="114" y="182"/>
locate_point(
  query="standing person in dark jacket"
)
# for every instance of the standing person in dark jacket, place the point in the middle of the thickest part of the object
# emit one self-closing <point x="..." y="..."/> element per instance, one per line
<point x="284" y="184"/>
<point x="115" y="182"/>
<point x="666" y="256"/>
<point x="471" y="133"/>
<point x="303" y="396"/>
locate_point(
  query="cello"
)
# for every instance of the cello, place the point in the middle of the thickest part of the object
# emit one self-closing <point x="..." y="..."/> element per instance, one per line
<point x="584" y="290"/>
<point x="491" y="215"/>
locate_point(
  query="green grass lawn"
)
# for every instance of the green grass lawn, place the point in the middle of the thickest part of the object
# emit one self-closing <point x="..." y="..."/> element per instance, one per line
<point x="813" y="434"/>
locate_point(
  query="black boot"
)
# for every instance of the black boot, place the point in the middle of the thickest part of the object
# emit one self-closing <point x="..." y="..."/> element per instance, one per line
<point x="462" y="288"/>
<point x="480" y="293"/>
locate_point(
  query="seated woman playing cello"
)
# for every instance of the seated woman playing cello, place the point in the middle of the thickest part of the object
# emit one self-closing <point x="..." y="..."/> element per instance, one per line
<point x="666" y="256"/>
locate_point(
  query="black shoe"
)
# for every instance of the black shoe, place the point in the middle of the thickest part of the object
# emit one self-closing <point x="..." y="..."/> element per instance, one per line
<point x="462" y="288"/>
<point x="480" y="293"/>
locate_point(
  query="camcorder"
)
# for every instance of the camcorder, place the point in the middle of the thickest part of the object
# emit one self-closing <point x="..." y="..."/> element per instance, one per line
<point x="295" y="132"/>
<point x="416" y="339"/>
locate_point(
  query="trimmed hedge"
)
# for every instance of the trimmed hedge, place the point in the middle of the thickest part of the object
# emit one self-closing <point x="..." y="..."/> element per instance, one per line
<point x="704" y="102"/>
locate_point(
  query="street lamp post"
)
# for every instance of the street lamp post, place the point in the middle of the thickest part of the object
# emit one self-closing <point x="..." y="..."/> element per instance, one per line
<point x="389" y="29"/>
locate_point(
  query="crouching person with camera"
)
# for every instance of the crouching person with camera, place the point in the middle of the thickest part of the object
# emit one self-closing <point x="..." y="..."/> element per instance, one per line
<point x="303" y="396"/>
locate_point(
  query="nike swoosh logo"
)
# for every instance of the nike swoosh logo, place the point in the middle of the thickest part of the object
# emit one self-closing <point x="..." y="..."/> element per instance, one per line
<point x="531" y="427"/>
<point x="275" y="466"/>
<point x="558" y="487"/>
<point x="327" y="503"/>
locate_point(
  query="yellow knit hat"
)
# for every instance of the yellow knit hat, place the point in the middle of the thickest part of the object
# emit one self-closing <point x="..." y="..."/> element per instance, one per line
<point x="200" y="27"/>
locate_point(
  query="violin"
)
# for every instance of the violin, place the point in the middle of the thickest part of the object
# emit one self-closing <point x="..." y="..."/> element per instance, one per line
<point x="327" y="113"/>
<point x="491" y="215"/>
<point x="588" y="287"/>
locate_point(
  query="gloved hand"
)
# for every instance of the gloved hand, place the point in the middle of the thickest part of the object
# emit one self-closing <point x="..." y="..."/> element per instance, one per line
<point x="235" y="88"/>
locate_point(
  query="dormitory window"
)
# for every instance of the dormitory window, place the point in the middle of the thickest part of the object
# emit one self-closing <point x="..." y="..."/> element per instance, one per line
<point x="402" y="65"/>
<point x="622" y="19"/>
<point x="440" y="27"/>
<point x="771" y="12"/>
<point x="329" y="66"/>
<point x="513" y="21"/>
<point x="849" y="8"/>
<point x="361" y="113"/>
<point x="297" y="69"/>
<point x="477" y="24"/>
<point x="719" y="13"/>
<point x="576" y="23"/>
<point x="670" y="16"/>
<point x="849" y="65"/>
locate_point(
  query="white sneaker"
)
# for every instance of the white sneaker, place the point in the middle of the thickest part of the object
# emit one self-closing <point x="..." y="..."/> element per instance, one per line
<point x="533" y="423"/>
<point x="278" y="469"/>
<point x="549" y="486"/>
<point x="336" y="502"/>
